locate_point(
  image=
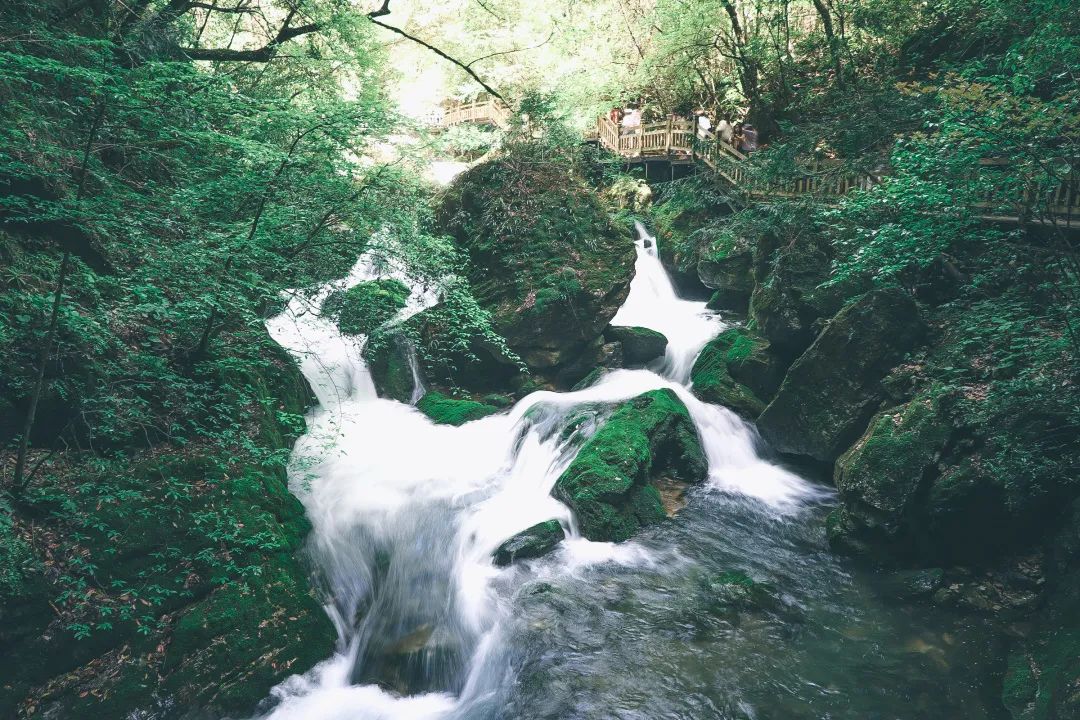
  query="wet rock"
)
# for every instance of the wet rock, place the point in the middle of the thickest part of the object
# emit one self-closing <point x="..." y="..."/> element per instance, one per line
<point x="731" y="276"/>
<point x="591" y="379"/>
<point x="610" y="483"/>
<point x="914" y="584"/>
<point x="737" y="370"/>
<point x="733" y="593"/>
<point x="640" y="346"/>
<point x="832" y="390"/>
<point x="883" y="478"/>
<point x="540" y="539"/>
<point x="389" y="361"/>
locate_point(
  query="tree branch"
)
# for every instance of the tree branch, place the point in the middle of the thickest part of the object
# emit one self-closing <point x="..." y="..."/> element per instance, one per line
<point x="264" y="54"/>
<point x="384" y="9"/>
<point x="511" y="52"/>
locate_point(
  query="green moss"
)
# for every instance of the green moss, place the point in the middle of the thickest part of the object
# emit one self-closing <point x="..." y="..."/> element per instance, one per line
<point x="361" y="309"/>
<point x="448" y="411"/>
<point x="881" y="477"/>
<point x="833" y="389"/>
<point x="712" y="381"/>
<point x="1020" y="687"/>
<point x="546" y="260"/>
<point x="607" y="485"/>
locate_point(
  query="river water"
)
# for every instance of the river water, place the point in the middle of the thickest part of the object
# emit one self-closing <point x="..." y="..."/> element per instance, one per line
<point x="406" y="515"/>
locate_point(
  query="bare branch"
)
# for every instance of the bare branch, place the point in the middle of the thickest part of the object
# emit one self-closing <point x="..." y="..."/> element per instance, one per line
<point x="515" y="50"/>
<point x="264" y="54"/>
<point x="384" y="9"/>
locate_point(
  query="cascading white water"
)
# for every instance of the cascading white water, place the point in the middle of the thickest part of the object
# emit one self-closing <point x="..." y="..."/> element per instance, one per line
<point x="654" y="304"/>
<point x="407" y="513"/>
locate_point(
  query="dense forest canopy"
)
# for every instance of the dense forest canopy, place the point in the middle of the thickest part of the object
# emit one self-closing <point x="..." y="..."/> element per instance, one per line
<point x="173" y="172"/>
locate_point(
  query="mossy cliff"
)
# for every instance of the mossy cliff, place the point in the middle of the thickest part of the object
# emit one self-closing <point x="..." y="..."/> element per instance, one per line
<point x="173" y="585"/>
<point x="546" y="259"/>
<point x="611" y="483"/>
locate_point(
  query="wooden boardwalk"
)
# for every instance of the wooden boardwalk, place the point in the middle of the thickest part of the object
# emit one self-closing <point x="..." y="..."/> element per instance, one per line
<point x="676" y="141"/>
<point x="480" y="112"/>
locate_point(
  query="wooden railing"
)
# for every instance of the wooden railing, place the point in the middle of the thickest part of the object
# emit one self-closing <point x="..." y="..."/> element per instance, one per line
<point x="490" y="112"/>
<point x="676" y="139"/>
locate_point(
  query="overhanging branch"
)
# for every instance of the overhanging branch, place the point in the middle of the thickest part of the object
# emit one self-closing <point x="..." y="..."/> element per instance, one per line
<point x="264" y="54"/>
<point x="384" y="9"/>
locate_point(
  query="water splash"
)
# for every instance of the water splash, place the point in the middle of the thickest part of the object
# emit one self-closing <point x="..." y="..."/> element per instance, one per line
<point x="406" y="513"/>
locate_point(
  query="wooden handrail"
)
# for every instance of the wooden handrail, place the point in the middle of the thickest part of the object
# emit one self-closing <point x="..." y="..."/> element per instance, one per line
<point x="479" y="112"/>
<point x="679" y="139"/>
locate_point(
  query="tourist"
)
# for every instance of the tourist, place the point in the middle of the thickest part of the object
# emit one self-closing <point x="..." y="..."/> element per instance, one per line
<point x="703" y="125"/>
<point x="631" y="120"/>
<point x="749" y="142"/>
<point x="725" y="131"/>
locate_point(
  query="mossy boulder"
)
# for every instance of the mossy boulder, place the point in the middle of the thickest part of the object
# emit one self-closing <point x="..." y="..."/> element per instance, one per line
<point x="441" y="349"/>
<point x="610" y="484"/>
<point x="787" y="272"/>
<point x="640" y="345"/>
<point x="738" y="370"/>
<point x="361" y="309"/>
<point x="832" y="390"/>
<point x="884" y="476"/>
<point x="731" y="276"/>
<point x="446" y="410"/>
<point x="390" y="360"/>
<point x="540" y="539"/>
<point x="546" y="260"/>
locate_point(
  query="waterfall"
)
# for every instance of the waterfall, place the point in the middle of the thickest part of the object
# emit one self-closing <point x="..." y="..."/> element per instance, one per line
<point x="418" y="389"/>
<point x="654" y="304"/>
<point x="406" y="513"/>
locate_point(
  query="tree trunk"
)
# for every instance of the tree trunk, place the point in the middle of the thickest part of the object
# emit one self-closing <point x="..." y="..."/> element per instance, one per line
<point x="39" y="381"/>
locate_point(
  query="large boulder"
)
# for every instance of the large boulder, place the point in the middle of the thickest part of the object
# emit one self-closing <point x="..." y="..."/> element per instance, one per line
<point x="925" y="484"/>
<point x="546" y="260"/>
<point x="440" y="346"/>
<point x="640" y="345"/>
<point x="783" y="305"/>
<point x="738" y="370"/>
<point x="610" y="485"/>
<point x="883" y="478"/>
<point x="832" y="390"/>
<point x="540" y="539"/>
<point x="731" y="276"/>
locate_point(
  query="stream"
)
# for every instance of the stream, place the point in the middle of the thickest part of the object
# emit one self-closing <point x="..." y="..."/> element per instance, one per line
<point x="406" y="515"/>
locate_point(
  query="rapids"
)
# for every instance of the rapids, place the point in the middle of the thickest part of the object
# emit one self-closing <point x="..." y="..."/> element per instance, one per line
<point x="406" y="515"/>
